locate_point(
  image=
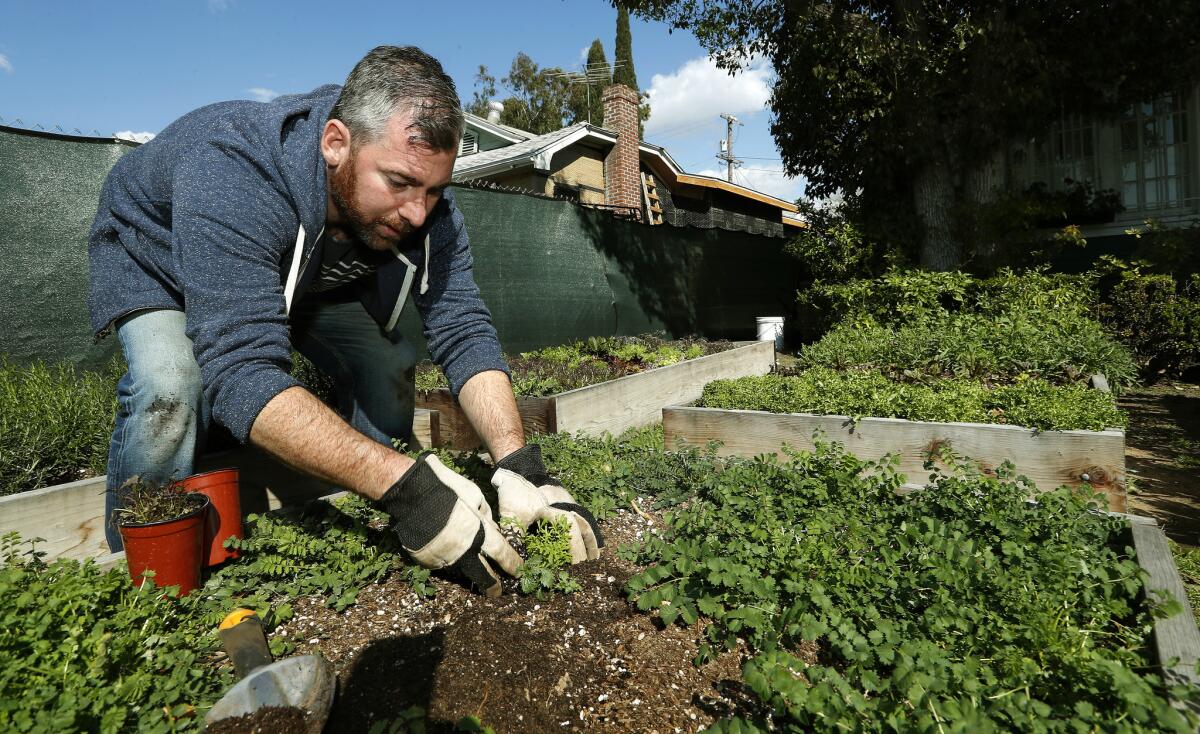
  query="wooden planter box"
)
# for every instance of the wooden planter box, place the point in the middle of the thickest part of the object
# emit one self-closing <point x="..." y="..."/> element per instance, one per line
<point x="1176" y="638"/>
<point x="70" y="517"/>
<point x="609" y="407"/>
<point x="1049" y="458"/>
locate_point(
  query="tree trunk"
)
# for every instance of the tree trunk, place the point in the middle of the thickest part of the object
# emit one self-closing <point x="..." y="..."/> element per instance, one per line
<point x="982" y="182"/>
<point x="933" y="199"/>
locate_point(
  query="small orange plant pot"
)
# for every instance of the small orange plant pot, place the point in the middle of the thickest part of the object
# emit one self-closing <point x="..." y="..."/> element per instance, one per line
<point x="173" y="549"/>
<point x="224" y="520"/>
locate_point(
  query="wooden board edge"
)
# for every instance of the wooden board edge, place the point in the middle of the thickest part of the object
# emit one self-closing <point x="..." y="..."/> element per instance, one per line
<point x="1177" y="638"/>
<point x="743" y="351"/>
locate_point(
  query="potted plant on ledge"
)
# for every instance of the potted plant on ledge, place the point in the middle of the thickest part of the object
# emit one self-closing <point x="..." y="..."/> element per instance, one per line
<point x="163" y="528"/>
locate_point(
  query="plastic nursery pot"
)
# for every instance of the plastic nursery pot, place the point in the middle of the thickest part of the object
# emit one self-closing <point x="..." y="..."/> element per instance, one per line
<point x="225" y="517"/>
<point x="173" y="549"/>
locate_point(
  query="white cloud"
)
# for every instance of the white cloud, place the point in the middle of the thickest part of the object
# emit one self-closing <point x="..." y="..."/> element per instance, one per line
<point x="5" y="64"/>
<point x="135" y="137"/>
<point x="262" y="94"/>
<point x="767" y="181"/>
<point x="698" y="92"/>
<point x="219" y="6"/>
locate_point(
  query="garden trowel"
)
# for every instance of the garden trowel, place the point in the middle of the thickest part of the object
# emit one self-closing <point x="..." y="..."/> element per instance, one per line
<point x="305" y="682"/>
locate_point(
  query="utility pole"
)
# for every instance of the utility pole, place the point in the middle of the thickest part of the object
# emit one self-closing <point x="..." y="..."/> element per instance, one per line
<point x="726" y="153"/>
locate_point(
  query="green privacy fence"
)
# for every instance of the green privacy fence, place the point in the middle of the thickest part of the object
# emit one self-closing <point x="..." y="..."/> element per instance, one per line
<point x="550" y="270"/>
<point x="49" y="185"/>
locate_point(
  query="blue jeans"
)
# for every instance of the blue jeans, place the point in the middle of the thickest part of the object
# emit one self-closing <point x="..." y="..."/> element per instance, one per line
<point x="163" y="418"/>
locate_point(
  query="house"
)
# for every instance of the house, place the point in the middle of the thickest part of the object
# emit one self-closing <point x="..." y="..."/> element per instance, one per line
<point x="1147" y="155"/>
<point x="609" y="166"/>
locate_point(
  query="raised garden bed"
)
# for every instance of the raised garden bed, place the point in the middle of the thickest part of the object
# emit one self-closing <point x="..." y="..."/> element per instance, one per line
<point x="922" y="580"/>
<point x="608" y="407"/>
<point x="70" y="517"/>
<point x="1050" y="458"/>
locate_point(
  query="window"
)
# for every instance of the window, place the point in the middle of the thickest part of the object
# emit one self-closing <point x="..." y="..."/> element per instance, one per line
<point x="1153" y="151"/>
<point x="469" y="144"/>
<point x="1068" y="153"/>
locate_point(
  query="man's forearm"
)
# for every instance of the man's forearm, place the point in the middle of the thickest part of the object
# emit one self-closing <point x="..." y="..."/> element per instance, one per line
<point x="487" y="399"/>
<point x="299" y="429"/>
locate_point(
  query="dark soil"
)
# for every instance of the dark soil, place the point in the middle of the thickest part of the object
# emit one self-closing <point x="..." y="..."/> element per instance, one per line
<point x="270" y="720"/>
<point x="584" y="661"/>
<point x="1162" y="454"/>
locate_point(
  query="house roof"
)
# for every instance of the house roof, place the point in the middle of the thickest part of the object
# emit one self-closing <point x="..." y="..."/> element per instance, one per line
<point x="537" y="150"/>
<point x="511" y="134"/>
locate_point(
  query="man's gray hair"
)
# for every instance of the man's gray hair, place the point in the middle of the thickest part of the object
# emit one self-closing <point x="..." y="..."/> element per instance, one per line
<point x="404" y="79"/>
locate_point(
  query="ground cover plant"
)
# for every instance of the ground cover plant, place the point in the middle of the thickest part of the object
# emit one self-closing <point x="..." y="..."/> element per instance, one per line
<point x="1030" y="402"/>
<point x="963" y="606"/>
<point x="556" y="369"/>
<point x="55" y="423"/>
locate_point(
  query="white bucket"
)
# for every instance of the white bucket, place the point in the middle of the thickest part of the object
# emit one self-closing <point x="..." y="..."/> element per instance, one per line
<point x="770" y="329"/>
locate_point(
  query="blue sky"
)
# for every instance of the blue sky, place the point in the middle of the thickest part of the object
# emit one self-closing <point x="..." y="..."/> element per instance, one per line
<point x="138" y="65"/>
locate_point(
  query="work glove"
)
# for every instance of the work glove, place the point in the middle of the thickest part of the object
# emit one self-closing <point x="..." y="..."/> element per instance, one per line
<point x="529" y="494"/>
<point x="443" y="521"/>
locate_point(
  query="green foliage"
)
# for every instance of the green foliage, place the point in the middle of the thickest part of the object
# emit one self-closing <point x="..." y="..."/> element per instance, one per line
<point x="585" y="362"/>
<point x="539" y="101"/>
<point x="603" y="473"/>
<point x="960" y="608"/>
<point x="548" y="548"/>
<point x="1166" y="249"/>
<point x="55" y="423"/>
<point x="888" y="102"/>
<point x="84" y="650"/>
<point x="625" y="72"/>
<point x="331" y="549"/>
<point x="899" y="296"/>
<point x="996" y="350"/>
<point x="1030" y="402"/>
<point x="1156" y="316"/>
<point x="1187" y="560"/>
<point x="144" y="502"/>
<point x="917" y="324"/>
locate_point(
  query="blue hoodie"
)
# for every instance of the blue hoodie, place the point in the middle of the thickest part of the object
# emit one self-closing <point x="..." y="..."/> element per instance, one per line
<point x="220" y="216"/>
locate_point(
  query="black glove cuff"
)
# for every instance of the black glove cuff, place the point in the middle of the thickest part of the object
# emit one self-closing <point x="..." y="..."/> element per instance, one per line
<point x="527" y="461"/>
<point x="419" y="504"/>
<point x="583" y="512"/>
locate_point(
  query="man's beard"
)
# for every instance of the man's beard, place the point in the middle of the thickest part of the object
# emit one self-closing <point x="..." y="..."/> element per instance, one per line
<point x="343" y="186"/>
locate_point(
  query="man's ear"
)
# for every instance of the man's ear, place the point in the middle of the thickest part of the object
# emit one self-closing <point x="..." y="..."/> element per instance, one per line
<point x="335" y="143"/>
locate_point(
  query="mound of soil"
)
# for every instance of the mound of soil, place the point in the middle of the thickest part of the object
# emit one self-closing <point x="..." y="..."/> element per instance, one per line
<point x="269" y="720"/>
<point x="588" y="661"/>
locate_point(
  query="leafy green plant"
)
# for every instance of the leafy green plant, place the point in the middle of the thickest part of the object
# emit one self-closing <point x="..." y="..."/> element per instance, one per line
<point x="585" y="362"/>
<point x="548" y="549"/>
<point x="992" y="348"/>
<point x="55" y="423"/>
<point x="1157" y="316"/>
<point x="143" y="501"/>
<point x="963" y="607"/>
<point x="1029" y="402"/>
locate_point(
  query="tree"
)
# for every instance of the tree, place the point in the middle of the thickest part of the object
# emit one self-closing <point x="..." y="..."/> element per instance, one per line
<point x="539" y="100"/>
<point x="586" y="101"/>
<point x="906" y="106"/>
<point x="624" y="73"/>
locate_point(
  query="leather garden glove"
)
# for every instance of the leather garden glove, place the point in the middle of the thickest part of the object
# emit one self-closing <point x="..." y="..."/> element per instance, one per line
<point x="528" y="494"/>
<point x="443" y="521"/>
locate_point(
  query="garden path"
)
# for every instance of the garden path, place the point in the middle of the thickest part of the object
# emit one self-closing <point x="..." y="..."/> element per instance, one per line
<point x="1162" y="454"/>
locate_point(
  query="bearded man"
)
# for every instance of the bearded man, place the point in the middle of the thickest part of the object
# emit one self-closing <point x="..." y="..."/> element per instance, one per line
<point x="247" y="229"/>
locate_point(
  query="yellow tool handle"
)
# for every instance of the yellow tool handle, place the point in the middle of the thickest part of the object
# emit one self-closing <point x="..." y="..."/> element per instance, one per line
<point x="242" y="636"/>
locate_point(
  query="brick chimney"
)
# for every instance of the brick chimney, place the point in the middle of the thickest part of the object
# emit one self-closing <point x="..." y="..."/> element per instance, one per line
<point x="622" y="182"/>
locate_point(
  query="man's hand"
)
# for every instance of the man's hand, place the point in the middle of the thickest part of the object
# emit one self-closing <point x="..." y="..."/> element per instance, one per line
<point x="528" y="493"/>
<point x="443" y="521"/>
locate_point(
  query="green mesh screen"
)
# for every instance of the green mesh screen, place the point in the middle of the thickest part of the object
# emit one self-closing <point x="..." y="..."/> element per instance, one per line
<point x="549" y="270"/>
<point x="49" y="186"/>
